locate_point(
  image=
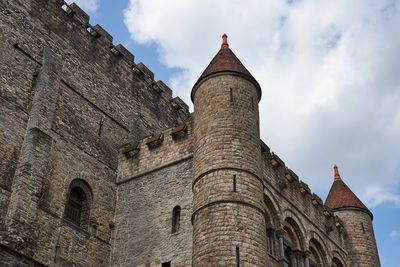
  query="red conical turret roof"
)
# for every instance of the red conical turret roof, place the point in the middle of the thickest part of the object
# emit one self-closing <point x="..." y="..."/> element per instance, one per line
<point x="340" y="196"/>
<point x="226" y="61"/>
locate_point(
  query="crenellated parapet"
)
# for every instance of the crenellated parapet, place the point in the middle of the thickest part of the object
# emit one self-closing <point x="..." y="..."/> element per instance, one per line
<point x="155" y="151"/>
<point x="116" y="52"/>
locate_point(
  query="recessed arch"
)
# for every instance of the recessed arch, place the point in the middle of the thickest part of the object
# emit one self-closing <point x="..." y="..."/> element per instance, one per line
<point x="316" y="236"/>
<point x="338" y="260"/>
<point x="292" y="221"/>
<point x="271" y="211"/>
<point x="317" y="255"/>
<point x="273" y="201"/>
<point x="272" y="222"/>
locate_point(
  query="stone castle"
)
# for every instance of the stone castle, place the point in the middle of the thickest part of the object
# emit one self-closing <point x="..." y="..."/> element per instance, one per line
<point x="100" y="166"/>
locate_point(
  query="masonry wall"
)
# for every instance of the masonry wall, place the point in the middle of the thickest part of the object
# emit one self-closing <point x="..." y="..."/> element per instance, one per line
<point x="363" y="250"/>
<point x="69" y="98"/>
<point x="290" y="203"/>
<point x="228" y="219"/>
<point x="151" y="183"/>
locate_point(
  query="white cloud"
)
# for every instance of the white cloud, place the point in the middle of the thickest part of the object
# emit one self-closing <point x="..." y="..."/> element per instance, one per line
<point x="89" y="6"/>
<point x="329" y="72"/>
<point x="375" y="195"/>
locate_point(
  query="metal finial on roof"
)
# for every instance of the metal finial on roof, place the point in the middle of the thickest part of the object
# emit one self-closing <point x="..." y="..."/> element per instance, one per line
<point x="336" y="171"/>
<point x="224" y="41"/>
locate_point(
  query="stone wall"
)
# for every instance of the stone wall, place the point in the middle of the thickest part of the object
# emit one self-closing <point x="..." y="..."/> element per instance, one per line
<point x="287" y="202"/>
<point x="155" y="176"/>
<point x="291" y="204"/>
<point x="69" y="99"/>
<point x="363" y="251"/>
<point x="228" y="216"/>
<point x="76" y="107"/>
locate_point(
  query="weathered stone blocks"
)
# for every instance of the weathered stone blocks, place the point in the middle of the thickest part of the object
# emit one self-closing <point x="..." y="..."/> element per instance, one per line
<point x="228" y="216"/>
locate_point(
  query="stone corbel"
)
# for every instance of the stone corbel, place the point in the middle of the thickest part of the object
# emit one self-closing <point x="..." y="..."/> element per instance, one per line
<point x="179" y="132"/>
<point x="155" y="141"/>
<point x="276" y="161"/>
<point x="131" y="150"/>
<point x="290" y="175"/>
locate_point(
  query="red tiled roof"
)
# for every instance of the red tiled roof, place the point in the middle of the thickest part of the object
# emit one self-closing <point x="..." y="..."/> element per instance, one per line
<point x="341" y="196"/>
<point x="226" y="61"/>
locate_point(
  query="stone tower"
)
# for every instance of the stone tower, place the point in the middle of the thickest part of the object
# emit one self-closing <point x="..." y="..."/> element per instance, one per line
<point x="357" y="220"/>
<point x="228" y="218"/>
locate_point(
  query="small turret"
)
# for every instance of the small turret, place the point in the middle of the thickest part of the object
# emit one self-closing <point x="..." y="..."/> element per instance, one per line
<point x="357" y="220"/>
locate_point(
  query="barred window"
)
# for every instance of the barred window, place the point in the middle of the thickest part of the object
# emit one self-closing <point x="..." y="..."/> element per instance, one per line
<point x="78" y="203"/>
<point x="75" y="203"/>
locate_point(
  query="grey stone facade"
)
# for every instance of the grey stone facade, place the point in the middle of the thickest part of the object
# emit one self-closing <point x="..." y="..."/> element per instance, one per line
<point x="156" y="182"/>
<point x="69" y="100"/>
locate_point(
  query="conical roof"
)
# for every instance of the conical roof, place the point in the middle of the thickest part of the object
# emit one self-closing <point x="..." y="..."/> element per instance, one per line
<point x="340" y="196"/>
<point x="225" y="61"/>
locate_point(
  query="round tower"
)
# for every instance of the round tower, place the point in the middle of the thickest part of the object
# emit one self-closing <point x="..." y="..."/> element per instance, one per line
<point x="357" y="221"/>
<point x="228" y="218"/>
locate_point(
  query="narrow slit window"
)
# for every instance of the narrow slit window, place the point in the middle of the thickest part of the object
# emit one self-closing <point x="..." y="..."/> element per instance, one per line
<point x="231" y="94"/>
<point x="237" y="257"/>
<point x="362" y="226"/>
<point x="100" y="127"/>
<point x="176" y="219"/>
<point x="234" y="183"/>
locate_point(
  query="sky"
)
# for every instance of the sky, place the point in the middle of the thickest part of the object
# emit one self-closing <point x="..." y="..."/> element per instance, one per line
<point x="329" y="71"/>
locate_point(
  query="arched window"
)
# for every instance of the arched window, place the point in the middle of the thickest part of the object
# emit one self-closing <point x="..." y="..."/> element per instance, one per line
<point x="78" y="203"/>
<point x="176" y="219"/>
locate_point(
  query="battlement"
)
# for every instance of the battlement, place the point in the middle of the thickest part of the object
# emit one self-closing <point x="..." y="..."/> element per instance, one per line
<point x="155" y="151"/>
<point x="97" y="33"/>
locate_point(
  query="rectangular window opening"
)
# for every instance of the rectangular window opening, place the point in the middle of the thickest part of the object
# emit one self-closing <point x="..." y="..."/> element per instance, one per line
<point x="231" y="94"/>
<point x="166" y="264"/>
<point x="234" y="183"/>
<point x="101" y="123"/>
<point x="176" y="219"/>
